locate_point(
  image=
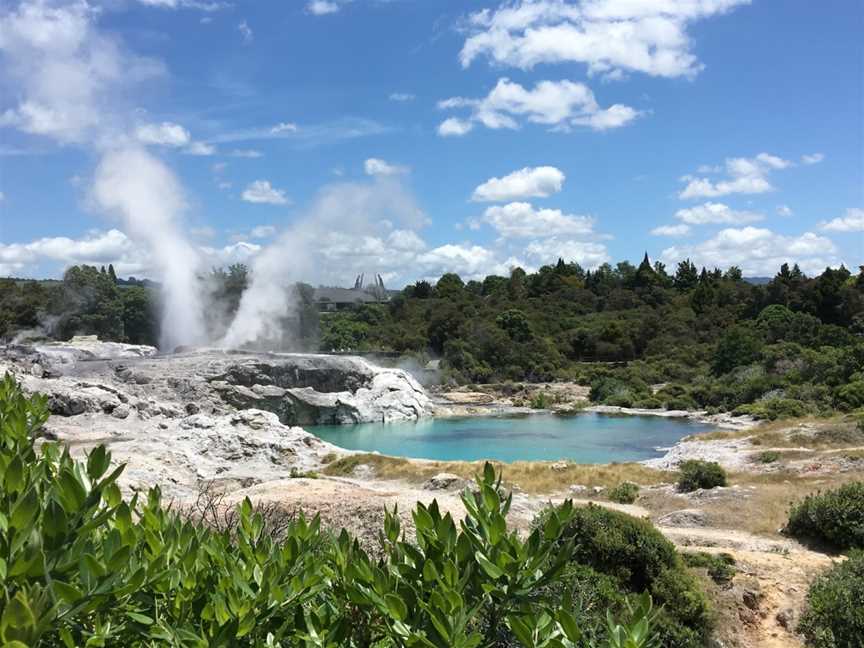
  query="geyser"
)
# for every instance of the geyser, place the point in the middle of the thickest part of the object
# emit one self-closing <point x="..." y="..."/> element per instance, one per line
<point x="139" y="188"/>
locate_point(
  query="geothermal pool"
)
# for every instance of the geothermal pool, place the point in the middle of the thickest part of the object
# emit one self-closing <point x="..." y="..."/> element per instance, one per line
<point x="584" y="438"/>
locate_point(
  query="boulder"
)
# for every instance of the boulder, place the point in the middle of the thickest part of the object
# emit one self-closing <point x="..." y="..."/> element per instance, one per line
<point x="690" y="517"/>
<point x="445" y="481"/>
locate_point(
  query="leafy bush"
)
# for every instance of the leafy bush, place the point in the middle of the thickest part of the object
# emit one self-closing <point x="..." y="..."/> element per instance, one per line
<point x="773" y="409"/>
<point x="700" y="474"/>
<point x="850" y="396"/>
<point x="834" y="518"/>
<point x="720" y="567"/>
<point x="624" y="493"/>
<point x="768" y="456"/>
<point x="834" y="616"/>
<point x="81" y="566"/>
<point x="637" y="558"/>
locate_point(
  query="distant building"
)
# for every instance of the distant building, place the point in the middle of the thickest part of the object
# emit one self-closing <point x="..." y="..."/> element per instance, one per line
<point x="335" y="299"/>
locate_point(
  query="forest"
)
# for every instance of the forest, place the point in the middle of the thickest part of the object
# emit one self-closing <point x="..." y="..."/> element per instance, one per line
<point x="639" y="335"/>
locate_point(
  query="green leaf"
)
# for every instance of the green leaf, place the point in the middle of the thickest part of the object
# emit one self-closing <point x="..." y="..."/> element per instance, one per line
<point x="25" y="510"/>
<point x="68" y="593"/>
<point x="396" y="606"/>
<point x="143" y="619"/>
<point x="488" y="566"/>
<point x="14" y="478"/>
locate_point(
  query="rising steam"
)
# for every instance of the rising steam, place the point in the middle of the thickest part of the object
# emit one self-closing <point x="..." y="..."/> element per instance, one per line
<point x="346" y="219"/>
<point x="139" y="188"/>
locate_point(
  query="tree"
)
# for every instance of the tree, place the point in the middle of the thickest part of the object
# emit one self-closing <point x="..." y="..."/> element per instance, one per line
<point x="738" y="347"/>
<point x="516" y="325"/>
<point x="686" y="276"/>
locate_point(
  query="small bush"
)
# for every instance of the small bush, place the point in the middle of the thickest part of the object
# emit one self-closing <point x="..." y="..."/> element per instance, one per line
<point x="680" y="403"/>
<point x="834" y="518"/>
<point x="720" y="567"/>
<point x="700" y="474"/>
<point x="624" y="493"/>
<point x="834" y="616"/>
<point x="639" y="558"/>
<point x="768" y="456"/>
<point x="773" y="409"/>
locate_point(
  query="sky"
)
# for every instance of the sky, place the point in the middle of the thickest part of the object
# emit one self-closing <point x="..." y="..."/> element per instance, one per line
<point x="417" y="137"/>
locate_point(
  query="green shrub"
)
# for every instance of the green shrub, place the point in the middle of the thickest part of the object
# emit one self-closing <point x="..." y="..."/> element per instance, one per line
<point x="680" y="403"/>
<point x="768" y="456"/>
<point x="81" y="566"/>
<point x="834" y="616"/>
<point x="624" y="493"/>
<point x="637" y="556"/>
<point x="834" y="518"/>
<point x="720" y="567"/>
<point x="850" y="396"/>
<point x="700" y="474"/>
<point x="773" y="409"/>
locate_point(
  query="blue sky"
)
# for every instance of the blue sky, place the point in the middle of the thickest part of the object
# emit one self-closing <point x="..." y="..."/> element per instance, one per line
<point x="415" y="137"/>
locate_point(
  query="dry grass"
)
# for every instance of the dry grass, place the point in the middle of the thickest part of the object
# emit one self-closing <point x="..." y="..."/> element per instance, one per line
<point x="530" y="476"/>
<point x="766" y="508"/>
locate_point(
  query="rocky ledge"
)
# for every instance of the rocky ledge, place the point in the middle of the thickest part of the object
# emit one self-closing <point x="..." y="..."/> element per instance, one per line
<point x="189" y="418"/>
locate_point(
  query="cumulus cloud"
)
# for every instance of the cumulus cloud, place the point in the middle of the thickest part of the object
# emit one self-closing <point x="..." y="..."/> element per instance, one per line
<point x="164" y="134"/>
<point x="588" y="254"/>
<point x="454" y="127"/>
<point x="852" y="221"/>
<point x="66" y="72"/>
<point x="378" y="167"/>
<point x="284" y="127"/>
<point x="523" y="220"/>
<point x="757" y="251"/>
<point x="744" y="176"/>
<point x="260" y="191"/>
<point x="528" y="182"/>
<point x="322" y="7"/>
<point x="813" y="158"/>
<point x="611" y="37"/>
<point x="562" y="105"/>
<point x="784" y="210"/>
<point x="95" y="248"/>
<point x="711" y="213"/>
<point x="681" y="229"/>
<point x="187" y="4"/>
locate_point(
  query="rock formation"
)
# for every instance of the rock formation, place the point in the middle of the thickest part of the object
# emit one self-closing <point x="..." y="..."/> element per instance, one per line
<point x="185" y="419"/>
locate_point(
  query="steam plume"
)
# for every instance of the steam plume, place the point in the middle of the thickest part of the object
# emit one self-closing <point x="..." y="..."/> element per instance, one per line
<point x="139" y="188"/>
<point x="345" y="220"/>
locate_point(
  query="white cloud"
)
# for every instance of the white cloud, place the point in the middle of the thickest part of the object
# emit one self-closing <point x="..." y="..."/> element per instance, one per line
<point x="262" y="231"/>
<point x="246" y="32"/>
<point x="852" y="221"/>
<point x="561" y="105"/>
<point x="588" y="254"/>
<point x="187" y="4"/>
<point x="757" y="251"/>
<point x="246" y="153"/>
<point x="784" y="210"/>
<point x="261" y="191"/>
<point x="710" y="213"/>
<point x="814" y="158"/>
<point x="528" y="182"/>
<point x="522" y="220"/>
<point x="96" y="248"/>
<point x="200" y="148"/>
<point x="322" y="7"/>
<point x="611" y="37"/>
<point x="69" y="77"/>
<point x="164" y="134"/>
<point x="681" y="229"/>
<point x="378" y="167"/>
<point x="284" y="127"/>
<point x="744" y="175"/>
<point x="454" y="127"/>
<point x="402" y="96"/>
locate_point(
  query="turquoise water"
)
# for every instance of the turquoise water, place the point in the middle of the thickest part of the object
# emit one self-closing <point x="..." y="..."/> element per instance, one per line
<point x="584" y="438"/>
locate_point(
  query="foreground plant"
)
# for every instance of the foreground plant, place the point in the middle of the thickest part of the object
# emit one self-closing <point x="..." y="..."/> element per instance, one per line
<point x="79" y="566"/>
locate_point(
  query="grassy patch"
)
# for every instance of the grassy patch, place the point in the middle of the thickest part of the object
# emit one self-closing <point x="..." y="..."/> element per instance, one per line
<point x="720" y="567"/>
<point x="529" y="476"/>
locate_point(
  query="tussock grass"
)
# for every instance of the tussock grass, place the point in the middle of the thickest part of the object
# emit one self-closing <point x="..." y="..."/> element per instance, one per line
<point x="530" y="476"/>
